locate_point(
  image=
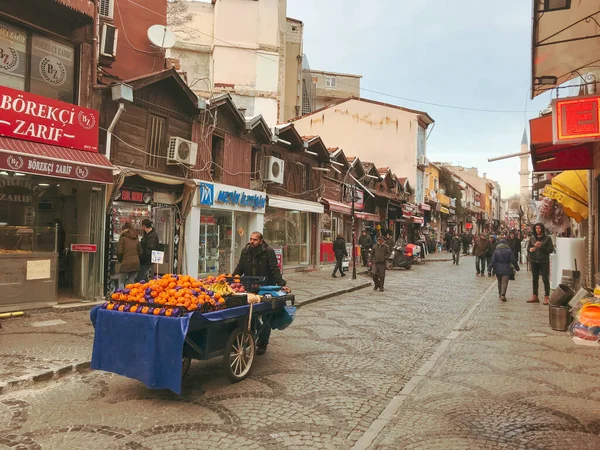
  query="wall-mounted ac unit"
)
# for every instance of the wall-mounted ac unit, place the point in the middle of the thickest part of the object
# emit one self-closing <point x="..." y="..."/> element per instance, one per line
<point x="422" y="161"/>
<point x="273" y="169"/>
<point x="108" y="41"/>
<point x="182" y="151"/>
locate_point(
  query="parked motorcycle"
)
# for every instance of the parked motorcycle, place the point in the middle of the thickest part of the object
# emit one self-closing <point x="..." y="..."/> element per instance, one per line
<point x="401" y="257"/>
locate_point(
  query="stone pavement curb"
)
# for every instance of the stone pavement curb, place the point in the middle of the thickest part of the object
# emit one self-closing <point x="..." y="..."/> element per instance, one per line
<point x="333" y="294"/>
<point x="81" y="366"/>
<point x="54" y="374"/>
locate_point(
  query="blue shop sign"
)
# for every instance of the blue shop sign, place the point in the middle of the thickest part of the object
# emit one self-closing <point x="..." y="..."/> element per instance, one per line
<point x="210" y="194"/>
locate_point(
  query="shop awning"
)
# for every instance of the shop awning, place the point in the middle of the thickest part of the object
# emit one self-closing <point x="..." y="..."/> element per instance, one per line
<point x="367" y="216"/>
<point x="425" y="207"/>
<point x="337" y="206"/>
<point x="294" y="204"/>
<point x="419" y="220"/>
<point x="52" y="161"/>
<point x="547" y="157"/>
<point x="570" y="189"/>
<point x="565" y="42"/>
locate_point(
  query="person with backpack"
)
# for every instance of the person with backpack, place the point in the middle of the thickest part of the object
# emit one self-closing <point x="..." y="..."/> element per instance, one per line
<point x="339" y="249"/>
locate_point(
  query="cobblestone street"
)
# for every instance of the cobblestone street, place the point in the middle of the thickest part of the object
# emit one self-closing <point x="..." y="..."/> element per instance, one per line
<point x="435" y="362"/>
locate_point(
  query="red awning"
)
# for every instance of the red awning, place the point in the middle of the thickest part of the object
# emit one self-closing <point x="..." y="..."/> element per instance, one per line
<point x="547" y="157"/>
<point x="337" y="206"/>
<point x="417" y="219"/>
<point x="425" y="207"/>
<point x="367" y="216"/>
<point x="52" y="161"/>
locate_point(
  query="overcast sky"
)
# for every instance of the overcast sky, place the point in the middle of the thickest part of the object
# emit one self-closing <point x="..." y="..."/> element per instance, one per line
<point x="467" y="53"/>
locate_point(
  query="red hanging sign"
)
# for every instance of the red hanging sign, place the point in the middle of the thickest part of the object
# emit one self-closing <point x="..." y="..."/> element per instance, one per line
<point x="35" y="118"/>
<point x="576" y="119"/>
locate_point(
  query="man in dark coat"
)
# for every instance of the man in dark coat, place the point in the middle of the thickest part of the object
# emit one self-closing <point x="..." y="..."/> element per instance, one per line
<point x="259" y="260"/>
<point x="129" y="251"/>
<point x="381" y="253"/>
<point x="539" y="248"/>
<point x="448" y="240"/>
<point x="456" y="243"/>
<point x="465" y="243"/>
<point x="514" y="243"/>
<point x="503" y="262"/>
<point x="149" y="242"/>
<point x="365" y="242"/>
<point x="339" y="249"/>
<point x="490" y="252"/>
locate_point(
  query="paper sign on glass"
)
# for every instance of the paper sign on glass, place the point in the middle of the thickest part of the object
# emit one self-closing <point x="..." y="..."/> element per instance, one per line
<point x="38" y="270"/>
<point x="158" y="257"/>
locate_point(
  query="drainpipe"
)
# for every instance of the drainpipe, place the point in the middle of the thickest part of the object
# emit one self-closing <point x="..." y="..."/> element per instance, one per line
<point x="111" y="128"/>
<point x="591" y="240"/>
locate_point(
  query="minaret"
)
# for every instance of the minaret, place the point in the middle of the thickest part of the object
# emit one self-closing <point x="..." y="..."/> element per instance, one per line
<point x="524" y="173"/>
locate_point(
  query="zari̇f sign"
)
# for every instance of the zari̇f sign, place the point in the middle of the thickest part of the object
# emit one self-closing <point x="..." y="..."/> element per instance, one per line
<point x="35" y="118"/>
<point x="576" y="119"/>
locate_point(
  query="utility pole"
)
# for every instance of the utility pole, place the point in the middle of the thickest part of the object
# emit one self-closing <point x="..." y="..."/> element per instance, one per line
<point x="353" y="234"/>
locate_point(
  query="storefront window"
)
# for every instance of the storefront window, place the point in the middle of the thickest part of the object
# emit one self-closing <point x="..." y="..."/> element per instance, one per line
<point x="52" y="64"/>
<point x="289" y="230"/>
<point x="216" y="234"/>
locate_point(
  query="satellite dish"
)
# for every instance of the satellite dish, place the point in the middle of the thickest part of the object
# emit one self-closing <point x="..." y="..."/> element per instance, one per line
<point x="161" y="36"/>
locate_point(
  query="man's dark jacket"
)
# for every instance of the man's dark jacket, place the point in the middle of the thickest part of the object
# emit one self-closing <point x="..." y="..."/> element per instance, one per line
<point x="542" y="254"/>
<point x="260" y="262"/>
<point x="365" y="241"/>
<point x="456" y="243"/>
<point x="149" y="242"/>
<point x="515" y="245"/>
<point x="493" y="246"/>
<point x="339" y="248"/>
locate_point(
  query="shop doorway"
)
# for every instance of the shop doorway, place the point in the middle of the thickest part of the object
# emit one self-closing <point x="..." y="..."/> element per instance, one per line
<point x="163" y="218"/>
<point x="216" y="234"/>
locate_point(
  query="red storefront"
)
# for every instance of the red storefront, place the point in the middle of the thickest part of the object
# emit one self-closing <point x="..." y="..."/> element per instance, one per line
<point x="52" y="201"/>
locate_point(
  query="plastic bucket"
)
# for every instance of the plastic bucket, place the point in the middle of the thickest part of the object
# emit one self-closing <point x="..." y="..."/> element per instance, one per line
<point x="561" y="295"/>
<point x="559" y="317"/>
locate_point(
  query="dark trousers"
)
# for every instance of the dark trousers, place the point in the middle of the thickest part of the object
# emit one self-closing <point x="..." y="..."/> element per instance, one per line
<point x="480" y="263"/>
<point x="502" y="284"/>
<point x="338" y="265"/>
<point x="144" y="273"/>
<point x="489" y="264"/>
<point x="364" y="254"/>
<point x="263" y="338"/>
<point x="455" y="256"/>
<point x="378" y="272"/>
<point x="542" y="269"/>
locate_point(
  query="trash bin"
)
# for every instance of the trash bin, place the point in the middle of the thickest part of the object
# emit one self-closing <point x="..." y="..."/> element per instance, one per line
<point x="561" y="295"/>
<point x="559" y="317"/>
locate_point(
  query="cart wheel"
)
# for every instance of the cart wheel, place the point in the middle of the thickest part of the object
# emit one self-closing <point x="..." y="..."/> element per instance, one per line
<point x="239" y="354"/>
<point x="185" y="366"/>
<point x="389" y="265"/>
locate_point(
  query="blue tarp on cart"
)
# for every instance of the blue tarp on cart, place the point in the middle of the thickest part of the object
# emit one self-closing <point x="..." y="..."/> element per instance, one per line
<point x="142" y="347"/>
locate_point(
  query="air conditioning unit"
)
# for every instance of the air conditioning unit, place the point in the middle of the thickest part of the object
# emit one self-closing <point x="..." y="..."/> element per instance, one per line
<point x="422" y="161"/>
<point x="273" y="169"/>
<point x="182" y="151"/>
<point x="108" y="42"/>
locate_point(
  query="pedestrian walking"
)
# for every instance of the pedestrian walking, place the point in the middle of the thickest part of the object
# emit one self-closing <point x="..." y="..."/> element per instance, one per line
<point x="490" y="252"/>
<point x="503" y="264"/>
<point x="456" y="244"/>
<point x="150" y="242"/>
<point x="381" y="253"/>
<point x="448" y="240"/>
<point x="389" y="240"/>
<point x="365" y="242"/>
<point x="539" y="248"/>
<point x="339" y="249"/>
<point x="129" y="251"/>
<point x="465" y="243"/>
<point x="480" y="250"/>
<point x="514" y="242"/>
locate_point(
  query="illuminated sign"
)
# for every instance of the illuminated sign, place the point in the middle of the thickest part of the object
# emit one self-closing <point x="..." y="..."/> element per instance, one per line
<point x="576" y="119"/>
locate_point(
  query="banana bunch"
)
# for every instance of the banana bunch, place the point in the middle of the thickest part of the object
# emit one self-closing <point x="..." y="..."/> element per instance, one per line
<point x="222" y="288"/>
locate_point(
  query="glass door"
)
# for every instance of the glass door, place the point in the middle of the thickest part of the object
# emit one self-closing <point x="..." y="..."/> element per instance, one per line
<point x="216" y="235"/>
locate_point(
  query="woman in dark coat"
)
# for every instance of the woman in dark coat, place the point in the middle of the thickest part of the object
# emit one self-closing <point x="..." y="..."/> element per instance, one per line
<point x="129" y="251"/>
<point x="339" y="249"/>
<point x="503" y="260"/>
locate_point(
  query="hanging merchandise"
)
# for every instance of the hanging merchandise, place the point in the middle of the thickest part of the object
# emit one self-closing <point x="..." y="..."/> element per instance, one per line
<point x="552" y="215"/>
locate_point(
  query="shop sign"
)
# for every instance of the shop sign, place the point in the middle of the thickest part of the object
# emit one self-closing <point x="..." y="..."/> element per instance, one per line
<point x="60" y="169"/>
<point x="134" y="196"/>
<point x="218" y="195"/>
<point x="208" y="220"/>
<point x="84" y="248"/>
<point x="157" y="257"/>
<point x="35" y="118"/>
<point x="444" y="210"/>
<point x="576" y="119"/>
<point x="20" y="182"/>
